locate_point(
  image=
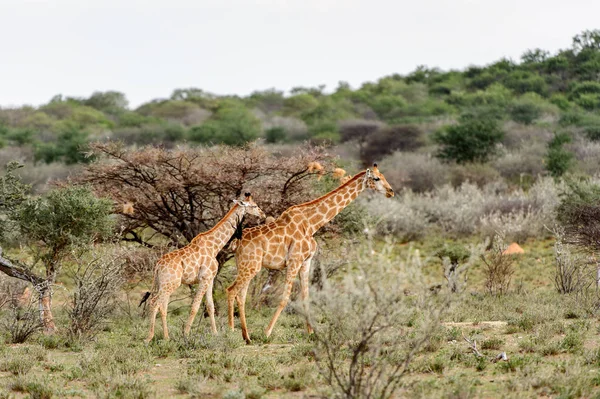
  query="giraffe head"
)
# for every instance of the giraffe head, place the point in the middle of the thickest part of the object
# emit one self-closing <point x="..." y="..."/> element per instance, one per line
<point x="250" y="207"/>
<point x="375" y="180"/>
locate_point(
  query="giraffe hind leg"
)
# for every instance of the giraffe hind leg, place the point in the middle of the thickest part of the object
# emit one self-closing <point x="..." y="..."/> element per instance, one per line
<point x="153" y="310"/>
<point x="293" y="268"/>
<point x="210" y="305"/>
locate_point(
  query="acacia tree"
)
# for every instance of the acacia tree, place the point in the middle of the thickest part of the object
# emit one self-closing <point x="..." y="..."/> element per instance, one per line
<point x="180" y="193"/>
<point x="51" y="227"/>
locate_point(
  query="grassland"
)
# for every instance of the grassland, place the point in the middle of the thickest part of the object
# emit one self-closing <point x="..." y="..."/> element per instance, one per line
<point x="551" y="342"/>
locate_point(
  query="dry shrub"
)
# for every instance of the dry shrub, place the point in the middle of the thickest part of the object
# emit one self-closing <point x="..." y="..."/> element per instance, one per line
<point x="12" y="291"/>
<point x="468" y="209"/>
<point x="527" y="161"/>
<point x="98" y="279"/>
<point x="587" y="154"/>
<point x="416" y="171"/>
<point x="518" y="136"/>
<point x="479" y="174"/>
<point x="572" y="273"/>
<point x="517" y="225"/>
<point x="363" y="342"/>
<point x="180" y="193"/>
<point x="397" y="217"/>
<point x="498" y="268"/>
<point x="21" y="322"/>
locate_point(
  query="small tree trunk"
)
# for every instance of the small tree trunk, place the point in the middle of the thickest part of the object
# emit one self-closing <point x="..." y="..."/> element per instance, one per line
<point x="42" y="287"/>
<point x="45" y="304"/>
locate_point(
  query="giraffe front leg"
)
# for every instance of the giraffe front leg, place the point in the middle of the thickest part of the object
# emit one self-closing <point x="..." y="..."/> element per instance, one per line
<point x="241" y="298"/>
<point x="287" y="291"/>
<point x="231" y="295"/>
<point x="202" y="287"/>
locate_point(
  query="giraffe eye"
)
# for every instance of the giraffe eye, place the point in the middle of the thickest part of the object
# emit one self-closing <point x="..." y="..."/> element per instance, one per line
<point x="376" y="178"/>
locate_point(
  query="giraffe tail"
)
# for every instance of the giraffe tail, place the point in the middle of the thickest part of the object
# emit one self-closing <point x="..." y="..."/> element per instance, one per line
<point x="154" y="288"/>
<point x="145" y="298"/>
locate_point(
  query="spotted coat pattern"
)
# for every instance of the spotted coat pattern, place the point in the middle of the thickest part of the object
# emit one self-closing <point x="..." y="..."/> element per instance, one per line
<point x="288" y="243"/>
<point x="195" y="263"/>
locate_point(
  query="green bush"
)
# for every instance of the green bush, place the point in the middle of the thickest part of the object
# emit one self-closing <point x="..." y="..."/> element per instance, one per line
<point x="471" y="141"/>
<point x="559" y="159"/>
<point x="231" y="124"/>
<point x="592" y="132"/>
<point x="68" y="147"/>
<point x="275" y="134"/>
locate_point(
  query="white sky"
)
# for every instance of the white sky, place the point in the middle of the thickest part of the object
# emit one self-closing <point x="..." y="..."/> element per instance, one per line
<point x="147" y="48"/>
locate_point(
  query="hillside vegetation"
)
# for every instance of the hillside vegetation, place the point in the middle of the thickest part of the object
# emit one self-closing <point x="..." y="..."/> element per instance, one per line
<point x="418" y="295"/>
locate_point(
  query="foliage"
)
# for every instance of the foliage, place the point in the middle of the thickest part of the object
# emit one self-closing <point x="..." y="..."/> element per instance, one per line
<point x="68" y="147"/>
<point x="231" y="124"/>
<point x="559" y="159"/>
<point x="389" y="139"/>
<point x="471" y="141"/>
<point x="51" y="225"/>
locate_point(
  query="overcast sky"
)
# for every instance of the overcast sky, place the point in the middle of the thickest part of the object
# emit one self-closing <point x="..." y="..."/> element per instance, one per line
<point x="147" y="48"/>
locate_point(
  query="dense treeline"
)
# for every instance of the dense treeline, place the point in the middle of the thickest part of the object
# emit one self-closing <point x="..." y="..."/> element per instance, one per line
<point x="465" y="109"/>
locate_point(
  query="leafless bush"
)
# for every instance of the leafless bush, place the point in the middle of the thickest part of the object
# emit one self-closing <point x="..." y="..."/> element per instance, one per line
<point x="183" y="192"/>
<point x="363" y="344"/>
<point x="97" y="282"/>
<point x="21" y="322"/>
<point x="571" y="273"/>
<point x="498" y="268"/>
<point x="456" y="261"/>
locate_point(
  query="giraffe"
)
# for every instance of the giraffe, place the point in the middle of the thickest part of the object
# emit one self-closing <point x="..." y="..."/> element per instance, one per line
<point x="195" y="263"/>
<point x="288" y="242"/>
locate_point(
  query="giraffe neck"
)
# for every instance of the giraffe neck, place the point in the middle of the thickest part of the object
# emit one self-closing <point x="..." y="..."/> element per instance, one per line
<point x="323" y="209"/>
<point x="219" y="235"/>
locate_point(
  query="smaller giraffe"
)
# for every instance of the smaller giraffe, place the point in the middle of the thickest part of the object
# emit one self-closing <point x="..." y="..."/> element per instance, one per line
<point x="195" y="263"/>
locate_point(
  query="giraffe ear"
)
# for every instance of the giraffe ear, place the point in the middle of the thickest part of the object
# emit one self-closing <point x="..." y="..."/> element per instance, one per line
<point x="237" y="202"/>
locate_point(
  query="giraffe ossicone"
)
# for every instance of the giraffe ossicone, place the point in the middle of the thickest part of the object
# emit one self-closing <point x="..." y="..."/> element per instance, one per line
<point x="288" y="243"/>
<point x="195" y="263"/>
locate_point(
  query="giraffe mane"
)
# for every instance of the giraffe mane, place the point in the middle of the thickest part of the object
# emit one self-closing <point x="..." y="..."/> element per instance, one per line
<point x="216" y="226"/>
<point x="321" y="198"/>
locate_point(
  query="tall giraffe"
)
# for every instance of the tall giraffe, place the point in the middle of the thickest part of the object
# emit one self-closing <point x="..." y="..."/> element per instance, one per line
<point x="195" y="263"/>
<point x="288" y="242"/>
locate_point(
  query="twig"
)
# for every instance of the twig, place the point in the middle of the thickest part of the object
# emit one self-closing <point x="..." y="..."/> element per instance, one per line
<point x="473" y="345"/>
